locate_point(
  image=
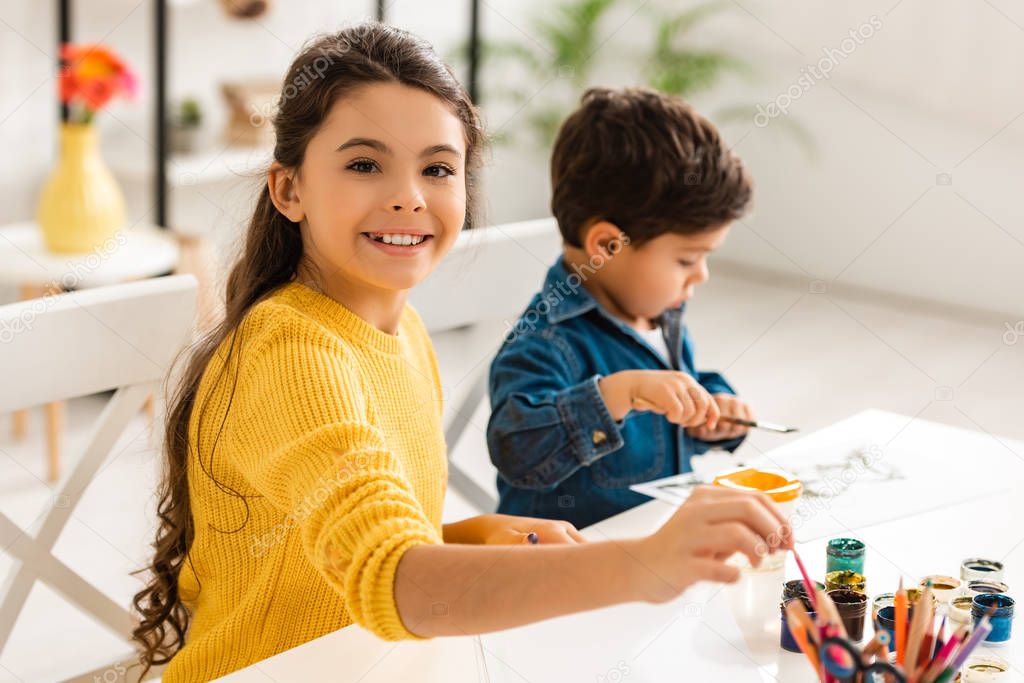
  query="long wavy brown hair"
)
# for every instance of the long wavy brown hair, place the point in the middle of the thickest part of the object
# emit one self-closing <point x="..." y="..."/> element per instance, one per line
<point x="329" y="67"/>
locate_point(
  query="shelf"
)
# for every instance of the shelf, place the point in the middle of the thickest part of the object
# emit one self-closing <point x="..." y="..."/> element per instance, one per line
<point x="200" y="168"/>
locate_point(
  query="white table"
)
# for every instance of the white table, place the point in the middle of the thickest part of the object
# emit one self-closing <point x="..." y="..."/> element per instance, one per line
<point x="715" y="633"/>
<point x="131" y="254"/>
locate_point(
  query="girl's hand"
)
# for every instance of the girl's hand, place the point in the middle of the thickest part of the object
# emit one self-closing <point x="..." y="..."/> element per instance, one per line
<point x="712" y="525"/>
<point x="728" y="406"/>
<point x="509" y="529"/>
<point x="676" y="395"/>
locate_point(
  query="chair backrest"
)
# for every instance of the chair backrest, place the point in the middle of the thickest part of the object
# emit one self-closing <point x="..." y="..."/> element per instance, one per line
<point x="489" y="276"/>
<point x="80" y="343"/>
<point x="122" y="337"/>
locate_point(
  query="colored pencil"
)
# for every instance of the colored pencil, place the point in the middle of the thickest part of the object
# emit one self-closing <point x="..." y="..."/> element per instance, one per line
<point x="939" y="663"/>
<point x="799" y="634"/>
<point x="795" y="611"/>
<point x="900" y="605"/>
<point x="981" y="632"/>
<point x="921" y="621"/>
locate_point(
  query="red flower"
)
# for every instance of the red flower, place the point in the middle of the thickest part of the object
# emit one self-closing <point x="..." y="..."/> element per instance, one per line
<point x="92" y="75"/>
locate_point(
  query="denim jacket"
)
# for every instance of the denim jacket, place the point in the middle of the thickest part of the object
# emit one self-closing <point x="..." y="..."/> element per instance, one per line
<point x="559" y="453"/>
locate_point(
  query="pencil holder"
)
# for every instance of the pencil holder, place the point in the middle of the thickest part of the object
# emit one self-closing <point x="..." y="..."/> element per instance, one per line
<point x="1001" y="620"/>
<point x="844" y="554"/>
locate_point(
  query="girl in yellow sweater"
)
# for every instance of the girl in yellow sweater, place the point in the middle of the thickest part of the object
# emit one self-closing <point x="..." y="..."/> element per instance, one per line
<point x="306" y="461"/>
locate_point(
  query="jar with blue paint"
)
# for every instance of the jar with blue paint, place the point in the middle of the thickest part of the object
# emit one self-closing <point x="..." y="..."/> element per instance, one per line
<point x="844" y="554"/>
<point x="1001" y="620"/>
<point x="887" y="621"/>
<point x="786" y="640"/>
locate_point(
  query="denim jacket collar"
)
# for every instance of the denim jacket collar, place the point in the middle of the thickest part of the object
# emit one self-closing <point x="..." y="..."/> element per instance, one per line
<point x="569" y="298"/>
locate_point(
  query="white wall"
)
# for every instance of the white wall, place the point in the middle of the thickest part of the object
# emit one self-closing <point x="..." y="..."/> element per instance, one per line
<point x="935" y="90"/>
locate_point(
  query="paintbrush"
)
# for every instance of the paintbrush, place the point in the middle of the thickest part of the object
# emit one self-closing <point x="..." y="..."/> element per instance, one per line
<point x="900" y="630"/>
<point x="761" y="424"/>
<point x="808" y="584"/>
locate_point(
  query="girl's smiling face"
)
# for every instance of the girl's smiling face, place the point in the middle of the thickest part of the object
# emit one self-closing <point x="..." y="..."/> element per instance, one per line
<point x="381" y="193"/>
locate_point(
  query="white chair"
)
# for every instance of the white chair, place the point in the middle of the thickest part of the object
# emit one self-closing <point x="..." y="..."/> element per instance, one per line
<point x="121" y="337"/>
<point x="488" y="277"/>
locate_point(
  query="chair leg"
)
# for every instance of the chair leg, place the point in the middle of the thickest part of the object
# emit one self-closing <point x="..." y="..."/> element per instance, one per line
<point x="20" y="426"/>
<point x="54" y="428"/>
<point x="197" y="260"/>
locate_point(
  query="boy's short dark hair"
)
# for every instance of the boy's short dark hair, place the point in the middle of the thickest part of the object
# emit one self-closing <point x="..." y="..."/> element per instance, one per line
<point x="646" y="162"/>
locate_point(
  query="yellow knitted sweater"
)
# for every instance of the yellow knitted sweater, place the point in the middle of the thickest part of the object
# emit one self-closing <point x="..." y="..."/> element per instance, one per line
<point x="317" y="458"/>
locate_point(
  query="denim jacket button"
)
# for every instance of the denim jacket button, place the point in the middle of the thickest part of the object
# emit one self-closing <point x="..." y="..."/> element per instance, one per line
<point x="599" y="437"/>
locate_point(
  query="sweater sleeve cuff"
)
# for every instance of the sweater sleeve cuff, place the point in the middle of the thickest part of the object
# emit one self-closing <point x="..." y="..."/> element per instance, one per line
<point x="371" y="591"/>
<point x="592" y="430"/>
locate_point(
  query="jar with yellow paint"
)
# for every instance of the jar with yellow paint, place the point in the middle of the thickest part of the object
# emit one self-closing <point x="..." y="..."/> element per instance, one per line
<point x="777" y="485"/>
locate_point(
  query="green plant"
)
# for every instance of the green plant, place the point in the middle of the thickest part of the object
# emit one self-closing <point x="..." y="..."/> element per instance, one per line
<point x="190" y="114"/>
<point x="557" y="60"/>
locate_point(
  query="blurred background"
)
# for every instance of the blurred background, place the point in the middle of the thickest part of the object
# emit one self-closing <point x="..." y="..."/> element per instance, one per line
<point x="882" y="265"/>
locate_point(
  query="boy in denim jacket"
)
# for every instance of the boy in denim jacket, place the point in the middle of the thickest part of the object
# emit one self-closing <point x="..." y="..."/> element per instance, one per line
<point x="595" y="387"/>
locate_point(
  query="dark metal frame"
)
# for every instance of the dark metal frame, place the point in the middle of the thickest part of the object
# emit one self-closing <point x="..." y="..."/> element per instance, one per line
<point x="160" y="187"/>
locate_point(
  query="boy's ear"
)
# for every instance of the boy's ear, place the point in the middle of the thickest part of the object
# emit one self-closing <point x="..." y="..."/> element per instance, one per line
<point x="599" y="237"/>
<point x="284" y="192"/>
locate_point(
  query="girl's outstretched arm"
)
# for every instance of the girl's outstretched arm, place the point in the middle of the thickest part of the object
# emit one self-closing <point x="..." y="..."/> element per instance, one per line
<point x="447" y="590"/>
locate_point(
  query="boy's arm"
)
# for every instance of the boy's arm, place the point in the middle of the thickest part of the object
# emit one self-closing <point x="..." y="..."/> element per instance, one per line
<point x="546" y="421"/>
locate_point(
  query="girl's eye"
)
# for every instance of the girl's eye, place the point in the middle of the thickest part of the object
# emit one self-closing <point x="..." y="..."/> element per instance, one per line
<point x="439" y="171"/>
<point x="363" y="166"/>
<point x="687" y="264"/>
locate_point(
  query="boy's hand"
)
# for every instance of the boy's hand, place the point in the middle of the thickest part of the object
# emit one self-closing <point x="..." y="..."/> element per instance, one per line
<point x="676" y="395"/>
<point x="728" y="406"/>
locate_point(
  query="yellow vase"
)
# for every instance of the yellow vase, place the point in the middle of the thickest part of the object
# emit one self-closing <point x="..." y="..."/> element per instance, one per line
<point x="82" y="205"/>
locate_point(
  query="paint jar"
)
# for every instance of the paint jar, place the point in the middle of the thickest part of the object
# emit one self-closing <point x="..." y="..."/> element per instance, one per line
<point x="844" y="554"/>
<point x="845" y="579"/>
<point x="796" y="588"/>
<point x="985" y="669"/>
<point x="981" y="587"/>
<point x="944" y="588"/>
<point x="881" y="600"/>
<point x="914" y="594"/>
<point x="960" y="609"/>
<point x="887" y="620"/>
<point x="779" y="486"/>
<point x="786" y="640"/>
<point x="852" y="607"/>
<point x="980" y="569"/>
<point x="1001" y="620"/>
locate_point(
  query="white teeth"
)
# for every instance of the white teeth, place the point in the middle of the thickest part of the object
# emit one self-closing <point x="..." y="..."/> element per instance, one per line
<point x="401" y="240"/>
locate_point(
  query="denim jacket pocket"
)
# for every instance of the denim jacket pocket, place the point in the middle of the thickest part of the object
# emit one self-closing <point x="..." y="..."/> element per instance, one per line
<point x="642" y="458"/>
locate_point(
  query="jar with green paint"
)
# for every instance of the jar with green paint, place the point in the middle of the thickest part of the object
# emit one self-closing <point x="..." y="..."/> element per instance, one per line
<point x="844" y="554"/>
